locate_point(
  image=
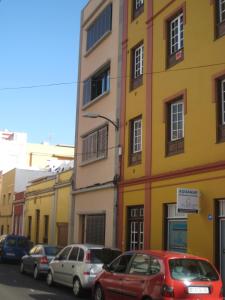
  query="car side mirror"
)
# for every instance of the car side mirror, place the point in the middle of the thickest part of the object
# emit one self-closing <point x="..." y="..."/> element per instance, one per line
<point x="106" y="268"/>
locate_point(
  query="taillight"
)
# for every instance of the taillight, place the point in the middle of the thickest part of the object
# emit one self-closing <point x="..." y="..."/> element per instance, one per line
<point x="43" y="260"/>
<point x="167" y="291"/>
<point x="88" y="257"/>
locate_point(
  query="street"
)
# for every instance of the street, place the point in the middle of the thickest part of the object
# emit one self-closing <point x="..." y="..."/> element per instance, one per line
<point x="14" y="285"/>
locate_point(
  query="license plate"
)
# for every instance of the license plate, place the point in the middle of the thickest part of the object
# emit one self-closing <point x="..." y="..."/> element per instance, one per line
<point x="198" y="290"/>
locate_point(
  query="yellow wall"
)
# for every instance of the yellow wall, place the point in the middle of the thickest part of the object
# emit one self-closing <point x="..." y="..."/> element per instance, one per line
<point x="200" y="49"/>
<point x="52" y="197"/>
<point x="8" y="180"/>
<point x="135" y="99"/>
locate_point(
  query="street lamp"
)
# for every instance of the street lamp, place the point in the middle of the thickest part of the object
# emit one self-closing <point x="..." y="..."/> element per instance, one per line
<point x="96" y="115"/>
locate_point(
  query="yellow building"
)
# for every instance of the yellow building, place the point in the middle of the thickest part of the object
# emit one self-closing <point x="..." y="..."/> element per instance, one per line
<point x="172" y="192"/>
<point x="47" y="208"/>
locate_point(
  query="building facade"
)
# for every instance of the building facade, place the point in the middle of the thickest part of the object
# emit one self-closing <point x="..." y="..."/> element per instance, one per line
<point x="174" y="134"/>
<point x="14" y="182"/>
<point x="46" y="213"/>
<point x="96" y="170"/>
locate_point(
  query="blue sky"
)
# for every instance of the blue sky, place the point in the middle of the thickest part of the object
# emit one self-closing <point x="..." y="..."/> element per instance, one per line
<point x="39" y="45"/>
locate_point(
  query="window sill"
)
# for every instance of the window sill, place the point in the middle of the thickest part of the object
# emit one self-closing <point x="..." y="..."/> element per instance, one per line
<point x="136" y="82"/>
<point x="85" y="163"/>
<point x="97" y="43"/>
<point x="220" y="30"/>
<point x="95" y="100"/>
<point x="175" y="58"/>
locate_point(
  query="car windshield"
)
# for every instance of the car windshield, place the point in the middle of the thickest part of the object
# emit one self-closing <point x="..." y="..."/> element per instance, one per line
<point x="192" y="270"/>
<point x="11" y="241"/>
<point x="52" y="251"/>
<point x="103" y="256"/>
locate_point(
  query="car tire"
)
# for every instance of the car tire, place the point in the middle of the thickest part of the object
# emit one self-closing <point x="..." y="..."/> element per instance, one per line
<point x="98" y="293"/>
<point x="49" y="279"/>
<point x="36" y="273"/>
<point x="77" y="288"/>
<point x="22" y="268"/>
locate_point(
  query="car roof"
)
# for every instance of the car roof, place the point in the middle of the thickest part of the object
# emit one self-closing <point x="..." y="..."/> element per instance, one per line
<point x="167" y="254"/>
<point x="92" y="246"/>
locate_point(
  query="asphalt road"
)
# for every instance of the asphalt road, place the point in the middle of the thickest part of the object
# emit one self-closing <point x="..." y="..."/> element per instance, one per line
<point x="15" y="286"/>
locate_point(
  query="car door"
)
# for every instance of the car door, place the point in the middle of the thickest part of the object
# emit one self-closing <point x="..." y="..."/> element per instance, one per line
<point x="57" y="265"/>
<point x="70" y="265"/>
<point x="114" y="275"/>
<point x="144" y="277"/>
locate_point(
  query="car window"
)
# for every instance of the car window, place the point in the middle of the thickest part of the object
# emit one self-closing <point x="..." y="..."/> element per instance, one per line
<point x="192" y="270"/>
<point x="120" y="264"/>
<point x="81" y="255"/>
<point x="51" y="251"/>
<point x="104" y="255"/>
<point x="74" y="253"/>
<point x="39" y="250"/>
<point x="11" y="241"/>
<point x="22" y="243"/>
<point x="140" y="265"/>
<point x="63" y="255"/>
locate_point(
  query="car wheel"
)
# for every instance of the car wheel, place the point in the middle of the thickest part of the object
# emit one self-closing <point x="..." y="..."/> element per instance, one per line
<point x="36" y="273"/>
<point x="77" y="288"/>
<point x="22" y="268"/>
<point x="98" y="293"/>
<point x="49" y="279"/>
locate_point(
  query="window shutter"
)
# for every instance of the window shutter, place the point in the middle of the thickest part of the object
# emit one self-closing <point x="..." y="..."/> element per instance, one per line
<point x="95" y="229"/>
<point x="103" y="142"/>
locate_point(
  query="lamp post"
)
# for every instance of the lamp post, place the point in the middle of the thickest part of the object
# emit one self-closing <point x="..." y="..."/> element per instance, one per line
<point x="96" y="115"/>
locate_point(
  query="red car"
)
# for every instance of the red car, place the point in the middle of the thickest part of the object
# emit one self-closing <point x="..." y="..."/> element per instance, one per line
<point x="151" y="275"/>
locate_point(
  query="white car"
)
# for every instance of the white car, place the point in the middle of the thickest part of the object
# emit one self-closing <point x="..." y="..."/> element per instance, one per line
<point x="77" y="265"/>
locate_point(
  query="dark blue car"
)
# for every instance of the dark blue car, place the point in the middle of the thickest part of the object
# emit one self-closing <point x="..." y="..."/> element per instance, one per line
<point x="13" y="247"/>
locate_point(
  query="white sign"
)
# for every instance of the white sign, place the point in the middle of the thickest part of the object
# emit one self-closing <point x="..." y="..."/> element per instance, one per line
<point x="188" y="200"/>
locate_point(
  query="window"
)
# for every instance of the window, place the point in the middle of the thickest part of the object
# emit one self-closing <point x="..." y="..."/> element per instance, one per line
<point x="120" y="264"/>
<point x="9" y="197"/>
<point x="175" y="127"/>
<point x="175" y="41"/>
<point x="46" y="225"/>
<point x="29" y="227"/>
<point x="100" y="27"/>
<point x="135" y="141"/>
<point x="96" y="85"/>
<point x="138" y="8"/>
<point x="221" y="110"/>
<point x="176" y="229"/>
<point x="81" y="255"/>
<point x="135" y="228"/>
<point x="220" y="17"/>
<point x="4" y="198"/>
<point x="137" y="68"/>
<point x="74" y="253"/>
<point x="95" y="229"/>
<point x="63" y="255"/>
<point x="95" y="145"/>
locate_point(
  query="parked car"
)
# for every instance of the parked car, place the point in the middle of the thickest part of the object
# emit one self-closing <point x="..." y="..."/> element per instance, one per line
<point x="77" y="265"/>
<point x="158" y="275"/>
<point x="37" y="261"/>
<point x="13" y="247"/>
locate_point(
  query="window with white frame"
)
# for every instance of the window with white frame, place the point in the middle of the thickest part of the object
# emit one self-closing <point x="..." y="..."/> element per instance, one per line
<point x="223" y="100"/>
<point x="221" y="11"/>
<point x="138" y="61"/>
<point x="95" y="145"/>
<point x="221" y="109"/>
<point x="135" y="228"/>
<point x="176" y="34"/>
<point x="135" y="140"/>
<point x="137" y="136"/>
<point x="138" y="4"/>
<point x="177" y="120"/>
